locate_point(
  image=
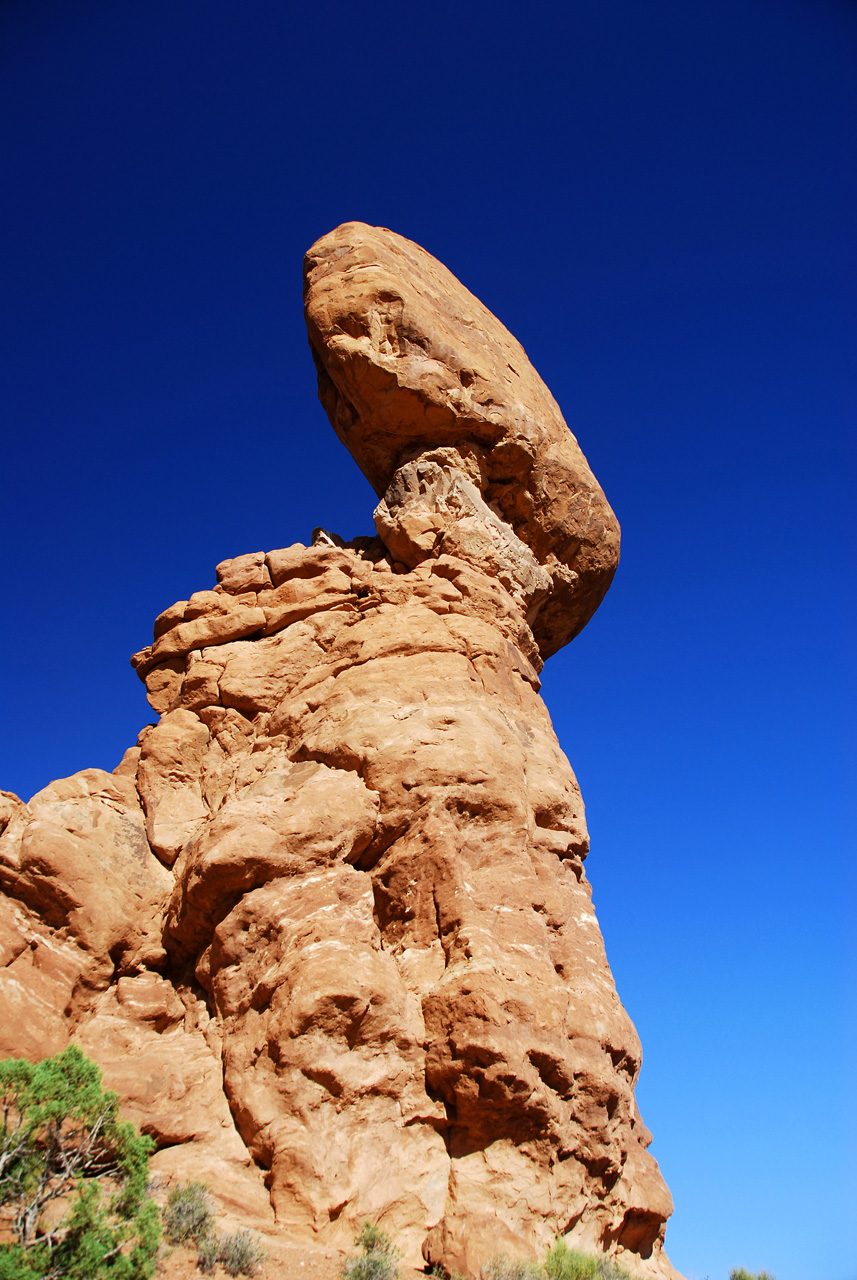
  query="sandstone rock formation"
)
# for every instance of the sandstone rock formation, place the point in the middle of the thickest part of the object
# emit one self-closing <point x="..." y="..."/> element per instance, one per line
<point x="412" y="369"/>
<point x="327" y="927"/>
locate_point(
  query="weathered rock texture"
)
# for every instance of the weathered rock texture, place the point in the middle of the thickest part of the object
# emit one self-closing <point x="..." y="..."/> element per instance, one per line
<point x="412" y="369"/>
<point x="327" y="927"/>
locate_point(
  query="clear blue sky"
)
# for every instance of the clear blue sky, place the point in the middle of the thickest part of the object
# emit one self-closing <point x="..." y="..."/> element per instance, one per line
<point x="659" y="198"/>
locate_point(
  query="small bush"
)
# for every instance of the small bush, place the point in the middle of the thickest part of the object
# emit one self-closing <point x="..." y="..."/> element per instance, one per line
<point x="740" y="1273"/>
<point x="439" y="1271"/>
<point x="206" y="1260"/>
<point x="241" y="1253"/>
<point x="378" y="1259"/>
<point x="563" y="1263"/>
<point x="188" y="1215"/>
<point x="502" y="1268"/>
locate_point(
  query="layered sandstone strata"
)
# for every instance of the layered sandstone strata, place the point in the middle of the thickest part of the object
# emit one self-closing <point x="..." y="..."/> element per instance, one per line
<point x="327" y="927"/>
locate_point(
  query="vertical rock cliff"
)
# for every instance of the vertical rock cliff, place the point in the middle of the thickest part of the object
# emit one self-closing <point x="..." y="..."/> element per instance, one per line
<point x="327" y="927"/>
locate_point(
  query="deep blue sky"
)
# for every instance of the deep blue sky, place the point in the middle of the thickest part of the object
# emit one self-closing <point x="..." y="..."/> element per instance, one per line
<point x="658" y="198"/>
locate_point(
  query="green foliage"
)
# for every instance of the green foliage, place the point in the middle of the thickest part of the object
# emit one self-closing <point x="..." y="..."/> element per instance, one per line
<point x="439" y="1271"/>
<point x="61" y="1138"/>
<point x="188" y="1214"/>
<point x="241" y="1253"/>
<point x="501" y="1267"/>
<point x="378" y="1258"/>
<point x="18" y="1263"/>
<point x="740" y="1273"/>
<point x="563" y="1263"/>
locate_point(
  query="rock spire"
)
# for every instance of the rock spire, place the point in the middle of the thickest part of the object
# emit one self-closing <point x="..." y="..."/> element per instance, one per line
<point x="326" y="927"/>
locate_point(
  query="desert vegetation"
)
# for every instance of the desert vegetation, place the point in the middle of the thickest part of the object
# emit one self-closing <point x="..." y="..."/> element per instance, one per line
<point x="376" y="1257"/>
<point x="73" y="1176"/>
<point x="563" y="1263"/>
<point x="188" y="1218"/>
<point x="75" y="1199"/>
<point x="188" y="1214"/>
<point x="560" y="1263"/>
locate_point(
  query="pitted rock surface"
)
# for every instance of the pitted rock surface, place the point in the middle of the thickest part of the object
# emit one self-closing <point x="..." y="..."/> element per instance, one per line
<point x="327" y="928"/>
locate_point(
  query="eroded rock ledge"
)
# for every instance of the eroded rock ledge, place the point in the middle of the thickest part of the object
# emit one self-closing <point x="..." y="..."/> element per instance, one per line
<point x="327" y="927"/>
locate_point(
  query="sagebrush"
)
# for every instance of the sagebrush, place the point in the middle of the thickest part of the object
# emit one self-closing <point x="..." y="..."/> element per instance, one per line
<point x="207" y="1250"/>
<point x="378" y="1258"/>
<point x="241" y="1253"/>
<point x="188" y="1215"/>
<point x="189" y="1219"/>
<point x="501" y="1267"/>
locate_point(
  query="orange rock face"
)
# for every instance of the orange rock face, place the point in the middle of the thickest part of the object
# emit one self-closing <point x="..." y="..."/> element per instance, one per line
<point x="327" y="928"/>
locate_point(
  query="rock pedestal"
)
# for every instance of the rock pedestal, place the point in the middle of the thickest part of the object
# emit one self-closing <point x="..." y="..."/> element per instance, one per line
<point x="327" y="928"/>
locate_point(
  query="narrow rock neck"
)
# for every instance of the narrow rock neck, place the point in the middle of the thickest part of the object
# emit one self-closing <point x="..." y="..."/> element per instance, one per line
<point x="434" y="506"/>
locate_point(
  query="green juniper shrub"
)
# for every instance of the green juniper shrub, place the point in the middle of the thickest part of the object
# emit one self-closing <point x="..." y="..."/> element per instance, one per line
<point x="378" y="1258"/>
<point x="740" y="1273"/>
<point x="241" y="1253"/>
<point x="188" y="1215"/>
<point x="563" y="1263"/>
<point x="61" y="1139"/>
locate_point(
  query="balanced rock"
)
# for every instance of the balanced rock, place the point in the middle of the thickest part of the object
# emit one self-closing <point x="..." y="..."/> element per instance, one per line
<point x="413" y="369"/>
<point x="327" y="927"/>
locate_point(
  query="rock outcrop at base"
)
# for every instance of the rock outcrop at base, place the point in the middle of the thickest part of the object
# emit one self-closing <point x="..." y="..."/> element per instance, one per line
<point x="327" y="927"/>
